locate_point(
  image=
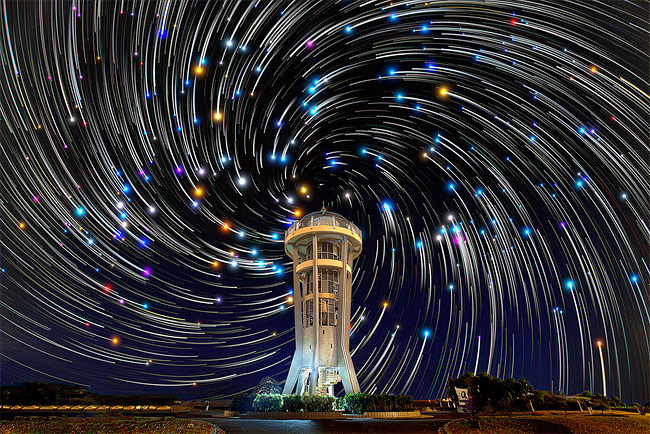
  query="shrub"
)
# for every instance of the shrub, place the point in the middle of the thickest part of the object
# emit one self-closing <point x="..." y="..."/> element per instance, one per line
<point x="384" y="402"/>
<point x="600" y="404"/>
<point x="359" y="403"/>
<point x="317" y="402"/>
<point x="403" y="403"/>
<point x="506" y="404"/>
<point x="492" y="393"/>
<point x="238" y="402"/>
<point x="292" y="403"/>
<point x="339" y="403"/>
<point x="356" y="403"/>
<point x="268" y="402"/>
<point x="573" y="404"/>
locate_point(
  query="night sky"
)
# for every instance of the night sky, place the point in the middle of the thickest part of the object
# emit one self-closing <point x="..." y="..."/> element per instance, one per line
<point x="494" y="154"/>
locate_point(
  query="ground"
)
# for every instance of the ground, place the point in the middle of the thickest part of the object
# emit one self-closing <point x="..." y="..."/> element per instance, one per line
<point x="349" y="426"/>
<point x="558" y="422"/>
<point x="540" y="422"/>
<point x="106" y="425"/>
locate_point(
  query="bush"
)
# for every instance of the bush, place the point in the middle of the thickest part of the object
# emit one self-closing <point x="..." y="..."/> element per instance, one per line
<point x="238" y="402"/>
<point x="268" y="402"/>
<point x="242" y="402"/>
<point x="317" y="402"/>
<point x="600" y="403"/>
<point x="356" y="403"/>
<point x="574" y="405"/>
<point x="359" y="403"/>
<point x="492" y="393"/>
<point x="249" y="402"/>
<point x="403" y="403"/>
<point x="384" y="402"/>
<point x="292" y="403"/>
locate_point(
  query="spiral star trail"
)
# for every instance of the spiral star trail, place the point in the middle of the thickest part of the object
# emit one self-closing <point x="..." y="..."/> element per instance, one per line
<point x="494" y="154"/>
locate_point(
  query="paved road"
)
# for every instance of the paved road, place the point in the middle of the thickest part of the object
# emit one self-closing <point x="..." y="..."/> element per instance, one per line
<point x="255" y="426"/>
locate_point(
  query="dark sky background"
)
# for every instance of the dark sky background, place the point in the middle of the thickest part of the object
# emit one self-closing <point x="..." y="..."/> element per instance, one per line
<point x="495" y="155"/>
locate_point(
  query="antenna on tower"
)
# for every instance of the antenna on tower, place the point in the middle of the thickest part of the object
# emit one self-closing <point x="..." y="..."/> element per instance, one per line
<point x="323" y="209"/>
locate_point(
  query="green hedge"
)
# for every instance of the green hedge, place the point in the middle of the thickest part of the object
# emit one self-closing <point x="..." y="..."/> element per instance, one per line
<point x="317" y="402"/>
<point x="359" y="403"/>
<point x="292" y="403"/>
<point x="268" y="402"/>
<point x="242" y="402"/>
<point x="355" y="403"/>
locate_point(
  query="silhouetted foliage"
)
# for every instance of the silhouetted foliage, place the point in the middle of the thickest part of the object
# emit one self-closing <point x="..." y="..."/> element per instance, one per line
<point x="359" y="403"/>
<point x="492" y="393"/>
<point x="600" y="402"/>
<point x="292" y="403"/>
<point x="267" y="385"/>
<point x="488" y="393"/>
<point x="242" y="402"/>
<point x="268" y="402"/>
<point x="317" y="402"/>
<point x="35" y="393"/>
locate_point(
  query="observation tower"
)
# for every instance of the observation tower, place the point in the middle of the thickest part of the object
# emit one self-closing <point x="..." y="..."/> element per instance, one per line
<point x="322" y="286"/>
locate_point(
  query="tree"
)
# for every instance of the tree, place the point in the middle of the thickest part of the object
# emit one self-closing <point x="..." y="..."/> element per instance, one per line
<point x="267" y="385"/>
<point x="488" y="392"/>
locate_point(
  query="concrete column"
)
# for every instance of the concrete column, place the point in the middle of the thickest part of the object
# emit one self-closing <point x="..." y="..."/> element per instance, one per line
<point x="337" y="355"/>
<point x="346" y="369"/>
<point x="354" y="382"/>
<point x="296" y="362"/>
<point x="313" y="379"/>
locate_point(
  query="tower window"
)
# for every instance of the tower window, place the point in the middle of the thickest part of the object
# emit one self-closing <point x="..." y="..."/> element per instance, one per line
<point x="308" y="313"/>
<point x="329" y="280"/>
<point x="308" y="283"/>
<point x="328" y="250"/>
<point x="327" y="312"/>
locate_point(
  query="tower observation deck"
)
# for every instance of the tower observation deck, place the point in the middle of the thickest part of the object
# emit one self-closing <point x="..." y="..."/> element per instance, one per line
<point x="323" y="246"/>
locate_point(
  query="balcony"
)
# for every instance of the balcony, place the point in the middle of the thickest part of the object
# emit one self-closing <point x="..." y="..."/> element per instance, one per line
<point x="323" y="219"/>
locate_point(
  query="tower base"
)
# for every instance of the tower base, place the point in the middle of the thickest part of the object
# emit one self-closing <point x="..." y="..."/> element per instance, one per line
<point x="299" y="381"/>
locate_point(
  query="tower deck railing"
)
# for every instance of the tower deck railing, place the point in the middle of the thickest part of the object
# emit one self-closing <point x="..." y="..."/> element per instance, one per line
<point x="326" y="220"/>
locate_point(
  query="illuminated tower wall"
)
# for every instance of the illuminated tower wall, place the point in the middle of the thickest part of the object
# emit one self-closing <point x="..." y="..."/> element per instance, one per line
<point x="323" y="246"/>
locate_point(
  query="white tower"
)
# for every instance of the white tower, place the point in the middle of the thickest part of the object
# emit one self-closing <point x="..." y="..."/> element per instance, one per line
<point x="323" y="246"/>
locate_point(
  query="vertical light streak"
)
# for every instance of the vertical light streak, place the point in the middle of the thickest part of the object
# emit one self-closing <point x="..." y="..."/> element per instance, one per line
<point x="602" y="367"/>
<point x="478" y="353"/>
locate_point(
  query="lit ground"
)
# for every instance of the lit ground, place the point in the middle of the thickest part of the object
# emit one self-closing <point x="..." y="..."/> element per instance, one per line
<point x="106" y="425"/>
<point x="347" y="426"/>
<point x="557" y="422"/>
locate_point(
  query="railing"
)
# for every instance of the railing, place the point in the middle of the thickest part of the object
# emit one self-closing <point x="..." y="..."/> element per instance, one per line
<point x="328" y="220"/>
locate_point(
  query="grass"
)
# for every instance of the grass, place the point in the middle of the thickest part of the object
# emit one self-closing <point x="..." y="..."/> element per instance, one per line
<point x="105" y="425"/>
<point x="612" y="422"/>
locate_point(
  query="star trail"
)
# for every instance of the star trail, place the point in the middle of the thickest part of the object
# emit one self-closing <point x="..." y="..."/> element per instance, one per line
<point x="494" y="154"/>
